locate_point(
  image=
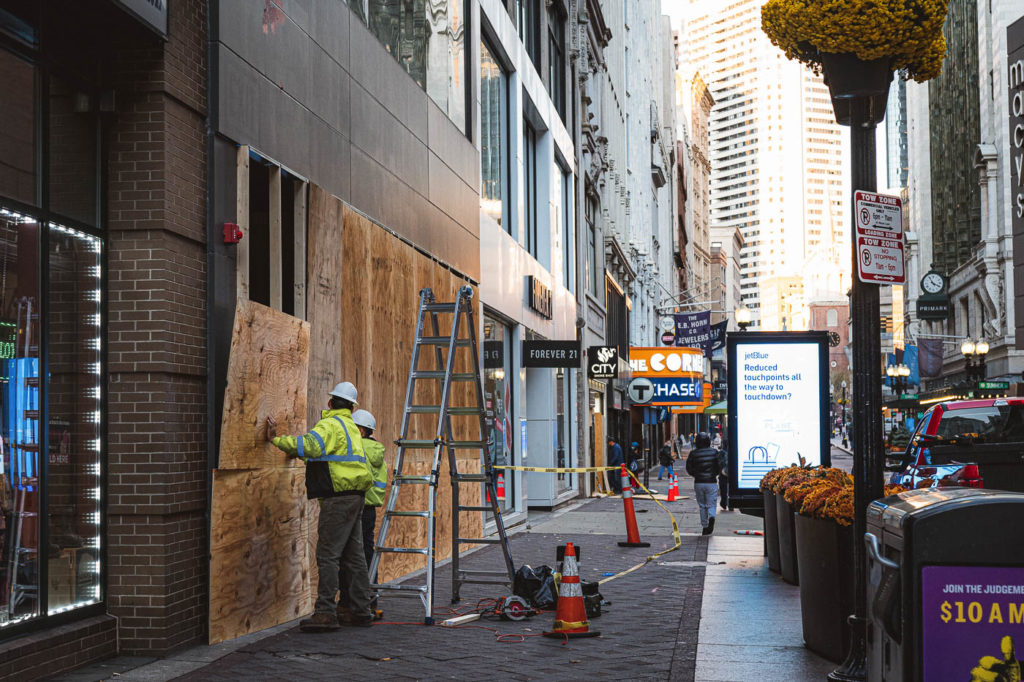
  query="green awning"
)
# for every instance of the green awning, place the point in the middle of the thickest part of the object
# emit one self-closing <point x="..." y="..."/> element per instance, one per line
<point x="717" y="408"/>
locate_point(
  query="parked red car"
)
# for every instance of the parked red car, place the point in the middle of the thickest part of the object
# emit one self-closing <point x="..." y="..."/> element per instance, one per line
<point x="972" y="443"/>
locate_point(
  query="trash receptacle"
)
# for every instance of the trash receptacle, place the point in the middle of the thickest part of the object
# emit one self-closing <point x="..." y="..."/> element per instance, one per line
<point x="945" y="585"/>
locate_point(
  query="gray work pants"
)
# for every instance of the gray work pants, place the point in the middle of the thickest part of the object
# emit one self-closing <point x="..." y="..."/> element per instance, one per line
<point x="707" y="499"/>
<point x="341" y="535"/>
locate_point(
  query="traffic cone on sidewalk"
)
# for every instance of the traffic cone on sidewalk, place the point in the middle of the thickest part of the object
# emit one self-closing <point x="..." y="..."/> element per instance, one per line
<point x="571" y="612"/>
<point x="501" y="488"/>
<point x="632" y="532"/>
<point x="673" y="489"/>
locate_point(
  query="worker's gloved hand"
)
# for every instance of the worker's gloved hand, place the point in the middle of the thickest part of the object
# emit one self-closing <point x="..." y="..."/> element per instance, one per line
<point x="992" y="669"/>
<point x="271" y="428"/>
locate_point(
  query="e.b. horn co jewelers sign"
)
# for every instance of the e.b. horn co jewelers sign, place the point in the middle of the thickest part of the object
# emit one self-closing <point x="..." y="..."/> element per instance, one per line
<point x="551" y="353"/>
<point x="602" y="362"/>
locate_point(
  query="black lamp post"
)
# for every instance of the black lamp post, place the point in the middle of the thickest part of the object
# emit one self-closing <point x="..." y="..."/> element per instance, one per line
<point x="742" y="315"/>
<point x="859" y="89"/>
<point x="898" y="376"/>
<point x="974" y="360"/>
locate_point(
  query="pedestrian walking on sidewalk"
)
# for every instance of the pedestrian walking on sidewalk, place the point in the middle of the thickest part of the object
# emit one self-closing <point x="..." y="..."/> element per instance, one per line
<point x="703" y="465"/>
<point x="374" y="451"/>
<point x="336" y="474"/>
<point x="666" y="459"/>
<point x="614" y="459"/>
<point x="723" y="478"/>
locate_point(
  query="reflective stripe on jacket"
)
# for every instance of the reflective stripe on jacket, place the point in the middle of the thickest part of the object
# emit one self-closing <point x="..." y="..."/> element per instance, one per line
<point x="333" y="452"/>
<point x="375" y="459"/>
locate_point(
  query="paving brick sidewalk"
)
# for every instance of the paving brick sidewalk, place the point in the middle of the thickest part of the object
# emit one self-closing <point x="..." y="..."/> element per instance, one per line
<point x="648" y="632"/>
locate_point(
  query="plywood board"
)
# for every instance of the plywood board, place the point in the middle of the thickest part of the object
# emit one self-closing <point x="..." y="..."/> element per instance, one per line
<point x="323" y="297"/>
<point x="260" y="556"/>
<point x="267" y="376"/>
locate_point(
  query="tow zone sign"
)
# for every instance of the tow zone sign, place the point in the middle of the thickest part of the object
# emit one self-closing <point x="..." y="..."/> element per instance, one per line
<point x="879" y="235"/>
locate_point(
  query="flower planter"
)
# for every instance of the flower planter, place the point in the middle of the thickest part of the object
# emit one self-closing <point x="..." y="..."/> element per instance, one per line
<point x="771" y="532"/>
<point x="858" y="88"/>
<point x="787" y="541"/>
<point x="824" y="551"/>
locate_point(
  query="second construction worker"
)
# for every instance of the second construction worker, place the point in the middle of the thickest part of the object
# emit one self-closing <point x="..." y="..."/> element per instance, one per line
<point x="338" y="475"/>
<point x="374" y="451"/>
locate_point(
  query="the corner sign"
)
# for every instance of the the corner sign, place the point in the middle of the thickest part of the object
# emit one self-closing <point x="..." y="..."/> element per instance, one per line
<point x="551" y="354"/>
<point x="879" y="234"/>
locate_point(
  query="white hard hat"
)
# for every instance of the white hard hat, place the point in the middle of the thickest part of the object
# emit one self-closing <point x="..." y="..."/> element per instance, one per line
<point x="365" y="419"/>
<point x="346" y="391"/>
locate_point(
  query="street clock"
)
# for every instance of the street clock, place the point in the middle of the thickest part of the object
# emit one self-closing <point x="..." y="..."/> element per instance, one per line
<point x="933" y="283"/>
<point x="834" y="339"/>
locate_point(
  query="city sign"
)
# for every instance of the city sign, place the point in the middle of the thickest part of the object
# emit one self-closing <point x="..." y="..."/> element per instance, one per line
<point x="879" y="234"/>
<point x="778" y="406"/>
<point x="539" y="353"/>
<point x="602" y="362"/>
<point x="640" y="391"/>
<point x="933" y="308"/>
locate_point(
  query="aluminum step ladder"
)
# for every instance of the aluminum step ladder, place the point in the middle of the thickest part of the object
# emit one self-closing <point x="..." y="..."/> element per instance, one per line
<point x="442" y="440"/>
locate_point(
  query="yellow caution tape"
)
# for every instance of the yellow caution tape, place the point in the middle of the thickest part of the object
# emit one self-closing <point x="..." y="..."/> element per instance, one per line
<point x="579" y="470"/>
<point x="555" y="470"/>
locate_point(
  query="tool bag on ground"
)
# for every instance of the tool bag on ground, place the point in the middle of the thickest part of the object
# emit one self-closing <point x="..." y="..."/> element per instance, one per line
<point x="536" y="585"/>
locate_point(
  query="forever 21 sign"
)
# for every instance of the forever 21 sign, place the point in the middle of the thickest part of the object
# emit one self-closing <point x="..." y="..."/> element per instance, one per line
<point x="551" y="353"/>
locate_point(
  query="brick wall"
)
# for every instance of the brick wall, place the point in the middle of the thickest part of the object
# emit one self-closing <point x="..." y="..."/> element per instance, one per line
<point x="58" y="649"/>
<point x="157" y="454"/>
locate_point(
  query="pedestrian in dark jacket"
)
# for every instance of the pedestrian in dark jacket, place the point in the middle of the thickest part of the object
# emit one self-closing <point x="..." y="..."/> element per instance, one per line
<point x="665" y="459"/>
<point x="723" y="478"/>
<point x="703" y="465"/>
<point x="614" y="459"/>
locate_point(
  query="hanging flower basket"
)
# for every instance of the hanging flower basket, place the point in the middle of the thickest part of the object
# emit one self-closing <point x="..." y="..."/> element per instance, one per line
<point x="902" y="35"/>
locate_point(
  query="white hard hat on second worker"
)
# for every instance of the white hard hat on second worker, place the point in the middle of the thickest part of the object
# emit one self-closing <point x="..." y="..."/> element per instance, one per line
<point x="365" y="419"/>
<point x="346" y="391"/>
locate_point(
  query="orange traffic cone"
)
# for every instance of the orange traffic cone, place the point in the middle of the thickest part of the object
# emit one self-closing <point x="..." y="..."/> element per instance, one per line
<point x="632" y="532"/>
<point x="501" y="488"/>
<point x="571" y="612"/>
<point x="673" y="489"/>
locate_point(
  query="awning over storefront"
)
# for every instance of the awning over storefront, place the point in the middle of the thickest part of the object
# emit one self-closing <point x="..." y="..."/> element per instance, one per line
<point x="717" y="408"/>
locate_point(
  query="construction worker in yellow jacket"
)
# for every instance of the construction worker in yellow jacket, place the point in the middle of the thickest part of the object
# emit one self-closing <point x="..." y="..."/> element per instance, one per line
<point x="374" y="451"/>
<point x="337" y="474"/>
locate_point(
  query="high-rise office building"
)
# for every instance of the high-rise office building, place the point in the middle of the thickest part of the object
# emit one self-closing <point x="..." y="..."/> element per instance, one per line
<point x="777" y="169"/>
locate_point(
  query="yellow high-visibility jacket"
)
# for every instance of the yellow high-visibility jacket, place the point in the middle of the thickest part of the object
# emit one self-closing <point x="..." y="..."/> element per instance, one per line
<point x="333" y="452"/>
<point x="375" y="458"/>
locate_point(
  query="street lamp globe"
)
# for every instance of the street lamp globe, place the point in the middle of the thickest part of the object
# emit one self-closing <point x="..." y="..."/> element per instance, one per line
<point x="742" y="317"/>
<point x="967" y="348"/>
<point x="981" y="348"/>
<point x="904" y="371"/>
<point x="890" y="371"/>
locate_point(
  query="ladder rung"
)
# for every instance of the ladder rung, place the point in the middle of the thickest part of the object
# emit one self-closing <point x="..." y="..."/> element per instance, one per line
<point x="413" y="479"/>
<point x="464" y="410"/>
<point x="479" y="541"/>
<point x="442" y="341"/>
<point x="439" y="374"/>
<point x="421" y="514"/>
<point x="403" y="550"/>
<point x="492" y="574"/>
<point x="423" y="409"/>
<point x="399" y="588"/>
<point x="439" y="307"/>
<point x="476" y="509"/>
<point x="467" y="444"/>
<point x="422" y="444"/>
<point x="472" y="478"/>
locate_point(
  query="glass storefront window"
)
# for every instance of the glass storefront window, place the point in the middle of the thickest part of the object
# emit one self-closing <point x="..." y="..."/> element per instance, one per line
<point x="563" y="428"/>
<point x="493" y="137"/>
<point x="19" y="113"/>
<point x="498" y="402"/>
<point x="62" y="320"/>
<point x="428" y="39"/>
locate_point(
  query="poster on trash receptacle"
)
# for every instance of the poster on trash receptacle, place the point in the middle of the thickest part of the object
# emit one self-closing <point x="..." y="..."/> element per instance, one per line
<point x="972" y="622"/>
<point x="778" y="405"/>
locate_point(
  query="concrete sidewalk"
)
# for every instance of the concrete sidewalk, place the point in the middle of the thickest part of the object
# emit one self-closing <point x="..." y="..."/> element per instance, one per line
<point x="688" y="615"/>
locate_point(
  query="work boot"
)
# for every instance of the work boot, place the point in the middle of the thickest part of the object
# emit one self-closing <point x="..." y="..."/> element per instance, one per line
<point x="320" y="622"/>
<point x="706" y="530"/>
<point x="350" y="619"/>
<point x="711" y="525"/>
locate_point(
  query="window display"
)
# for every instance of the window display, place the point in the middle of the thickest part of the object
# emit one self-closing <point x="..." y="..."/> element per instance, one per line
<point x="498" y="397"/>
<point x="54" y="331"/>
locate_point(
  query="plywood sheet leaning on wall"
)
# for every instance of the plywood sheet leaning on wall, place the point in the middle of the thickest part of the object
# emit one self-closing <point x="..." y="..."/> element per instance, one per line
<point x="381" y="282"/>
<point x="260" y="562"/>
<point x="267" y="375"/>
<point x="323" y="297"/>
